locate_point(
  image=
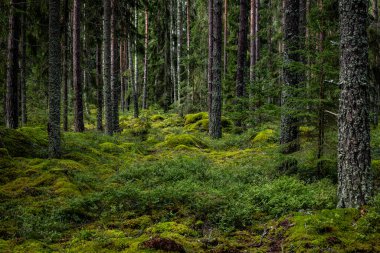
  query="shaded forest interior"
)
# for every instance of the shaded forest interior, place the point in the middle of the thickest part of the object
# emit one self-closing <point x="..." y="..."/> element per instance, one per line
<point x="189" y="126"/>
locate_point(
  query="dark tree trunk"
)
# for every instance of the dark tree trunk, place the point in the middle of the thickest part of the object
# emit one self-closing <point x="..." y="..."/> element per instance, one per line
<point x="107" y="66"/>
<point x="54" y="79"/>
<point x="225" y="38"/>
<point x="77" y="71"/>
<point x="179" y="48"/>
<point x="257" y="28"/>
<point x="241" y="56"/>
<point x="210" y="50"/>
<point x="215" y="126"/>
<point x="145" y="95"/>
<point x="65" y="71"/>
<point x="115" y="84"/>
<point x="99" y="87"/>
<point x="23" y="66"/>
<point x="11" y="99"/>
<point x="354" y="155"/>
<point x="252" y="46"/>
<point x="135" y="69"/>
<point x="289" y="123"/>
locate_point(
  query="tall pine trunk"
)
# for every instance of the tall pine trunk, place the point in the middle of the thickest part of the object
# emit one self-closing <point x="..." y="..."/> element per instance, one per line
<point x="136" y="73"/>
<point x="289" y="123"/>
<point x="11" y="99"/>
<point x="354" y="152"/>
<point x="215" y="126"/>
<point x="65" y="71"/>
<point x="115" y="84"/>
<point x="241" y="57"/>
<point x="99" y="87"/>
<point x="179" y="48"/>
<point x="210" y="51"/>
<point x="77" y="71"/>
<point x="188" y="50"/>
<point x="145" y="95"/>
<point x="24" y="118"/>
<point x="54" y="79"/>
<point x="107" y="66"/>
<point x="225" y="34"/>
<point x="252" y="46"/>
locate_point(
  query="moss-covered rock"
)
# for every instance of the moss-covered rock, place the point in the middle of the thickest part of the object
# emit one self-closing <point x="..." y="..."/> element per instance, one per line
<point x="193" y="118"/>
<point x="267" y="135"/>
<point x="172" y="141"/>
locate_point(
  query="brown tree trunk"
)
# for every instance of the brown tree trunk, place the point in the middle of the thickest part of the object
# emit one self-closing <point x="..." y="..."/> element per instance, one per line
<point x="115" y="84"/>
<point x="11" y="99"/>
<point x="144" y="102"/>
<point x="77" y="71"/>
<point x="215" y="125"/>
<point x="210" y="51"/>
<point x="354" y="151"/>
<point x="241" y="56"/>
<point x="289" y="138"/>
<point x="23" y="66"/>
<point x="99" y="87"/>
<point x="188" y="50"/>
<point x="252" y="46"/>
<point x="225" y="19"/>
<point x="54" y="79"/>
<point x="107" y="67"/>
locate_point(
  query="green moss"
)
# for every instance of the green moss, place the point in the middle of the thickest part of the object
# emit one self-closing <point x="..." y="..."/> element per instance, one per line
<point x="264" y="136"/>
<point x="32" y="247"/>
<point x="192" y="118"/>
<point x="157" y="117"/>
<point x="172" y="227"/>
<point x="64" y="187"/>
<point x="110" y="148"/>
<point x="136" y="127"/>
<point x="139" y="223"/>
<point x="172" y="141"/>
<point x="306" y="131"/>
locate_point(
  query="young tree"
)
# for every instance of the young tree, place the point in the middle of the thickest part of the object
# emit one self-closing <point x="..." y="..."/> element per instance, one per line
<point x="354" y="157"/>
<point x="54" y="79"/>
<point x="11" y="100"/>
<point x="215" y="125"/>
<point x="289" y="123"/>
<point x="242" y="54"/>
<point x="107" y="66"/>
<point x="77" y="71"/>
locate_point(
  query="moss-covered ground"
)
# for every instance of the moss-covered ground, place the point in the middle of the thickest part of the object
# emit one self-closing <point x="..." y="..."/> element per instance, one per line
<point x="162" y="185"/>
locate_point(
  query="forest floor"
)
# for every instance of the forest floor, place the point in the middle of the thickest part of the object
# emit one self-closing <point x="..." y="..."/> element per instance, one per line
<point x="162" y="185"/>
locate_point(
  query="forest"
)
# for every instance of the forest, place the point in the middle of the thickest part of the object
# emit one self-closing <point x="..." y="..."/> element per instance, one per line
<point x="208" y="126"/>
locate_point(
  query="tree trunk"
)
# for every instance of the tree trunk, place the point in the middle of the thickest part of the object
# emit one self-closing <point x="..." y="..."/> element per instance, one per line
<point x="289" y="123"/>
<point x="122" y="69"/>
<point x="99" y="87"/>
<point x="115" y="85"/>
<point x="65" y="71"/>
<point x="11" y="99"/>
<point x="135" y="91"/>
<point x="375" y="10"/>
<point x="54" y="79"/>
<point x="107" y="66"/>
<point x="210" y="51"/>
<point x="179" y="47"/>
<point x="144" y="102"/>
<point x="252" y="47"/>
<point x="215" y="125"/>
<point x="188" y="49"/>
<point x="23" y="66"/>
<point x="172" y="51"/>
<point x="77" y="71"/>
<point x="257" y="28"/>
<point x="241" y="56"/>
<point x="354" y="152"/>
<point x="225" y="38"/>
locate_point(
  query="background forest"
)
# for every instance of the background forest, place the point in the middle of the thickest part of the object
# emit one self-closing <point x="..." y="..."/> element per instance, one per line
<point x="189" y="126"/>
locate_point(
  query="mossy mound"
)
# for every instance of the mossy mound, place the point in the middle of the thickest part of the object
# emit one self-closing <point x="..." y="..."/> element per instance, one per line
<point x="265" y="136"/>
<point x="24" y="142"/>
<point x="157" y="117"/>
<point x="192" y="118"/>
<point x="172" y="227"/>
<point x="110" y="148"/>
<point x="135" y="127"/>
<point x="172" y="141"/>
<point x="203" y="124"/>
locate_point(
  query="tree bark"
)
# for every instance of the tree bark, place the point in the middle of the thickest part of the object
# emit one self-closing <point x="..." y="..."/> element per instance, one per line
<point x="77" y="71"/>
<point x="179" y="47"/>
<point x="65" y="71"/>
<point x="172" y="51"/>
<point x="115" y="84"/>
<point x="241" y="56"/>
<point x="107" y="67"/>
<point x="54" y="79"/>
<point x="289" y="123"/>
<point x="145" y="95"/>
<point x="354" y="156"/>
<point x="11" y="99"/>
<point x="257" y="28"/>
<point x="225" y="38"/>
<point x="135" y="91"/>
<point x="23" y="66"/>
<point x="252" y="47"/>
<point x="188" y="50"/>
<point x="99" y="87"/>
<point x="215" y="125"/>
<point x="210" y="51"/>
